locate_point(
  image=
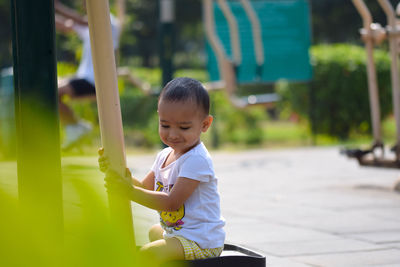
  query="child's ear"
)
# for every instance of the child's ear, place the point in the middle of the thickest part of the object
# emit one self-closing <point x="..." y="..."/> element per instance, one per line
<point x="207" y="123"/>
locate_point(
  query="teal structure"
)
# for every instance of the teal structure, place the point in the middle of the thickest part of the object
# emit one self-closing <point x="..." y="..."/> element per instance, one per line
<point x="286" y="38"/>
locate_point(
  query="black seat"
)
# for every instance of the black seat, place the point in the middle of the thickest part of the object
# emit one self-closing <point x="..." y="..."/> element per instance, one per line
<point x="241" y="256"/>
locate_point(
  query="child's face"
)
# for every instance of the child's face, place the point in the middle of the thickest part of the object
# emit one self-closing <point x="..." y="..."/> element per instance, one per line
<point x="181" y="124"/>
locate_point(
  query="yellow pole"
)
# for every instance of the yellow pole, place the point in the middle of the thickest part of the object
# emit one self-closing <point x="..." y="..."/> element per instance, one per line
<point x="109" y="109"/>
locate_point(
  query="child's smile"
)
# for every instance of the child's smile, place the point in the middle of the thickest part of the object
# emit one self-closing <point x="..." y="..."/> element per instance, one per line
<point x="181" y="124"/>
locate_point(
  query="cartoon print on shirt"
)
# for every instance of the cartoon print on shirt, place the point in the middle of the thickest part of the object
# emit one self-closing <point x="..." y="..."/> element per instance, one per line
<point x="170" y="219"/>
<point x="160" y="186"/>
<point x="173" y="219"/>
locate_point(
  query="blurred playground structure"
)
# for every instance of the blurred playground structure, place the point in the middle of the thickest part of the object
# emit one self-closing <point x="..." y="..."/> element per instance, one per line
<point x="248" y="42"/>
<point x="374" y="34"/>
<point x="252" y="42"/>
<point x="244" y="47"/>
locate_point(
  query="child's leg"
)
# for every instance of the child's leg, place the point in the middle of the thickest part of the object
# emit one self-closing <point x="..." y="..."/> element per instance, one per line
<point x="162" y="250"/>
<point x="156" y="233"/>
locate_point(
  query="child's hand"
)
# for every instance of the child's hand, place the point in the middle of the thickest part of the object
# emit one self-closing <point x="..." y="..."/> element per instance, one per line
<point x="118" y="184"/>
<point x="104" y="163"/>
<point x="113" y="181"/>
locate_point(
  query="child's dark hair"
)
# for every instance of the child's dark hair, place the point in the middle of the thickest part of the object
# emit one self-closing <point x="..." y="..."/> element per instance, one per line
<point x="182" y="89"/>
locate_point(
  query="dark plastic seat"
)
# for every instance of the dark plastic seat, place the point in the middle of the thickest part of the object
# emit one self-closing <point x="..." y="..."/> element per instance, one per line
<point x="241" y="257"/>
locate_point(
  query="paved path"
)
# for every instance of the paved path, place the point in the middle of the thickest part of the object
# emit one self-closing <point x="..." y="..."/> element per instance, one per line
<point x="303" y="207"/>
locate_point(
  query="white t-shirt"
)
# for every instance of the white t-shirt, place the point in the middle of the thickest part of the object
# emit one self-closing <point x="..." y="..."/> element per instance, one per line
<point x="199" y="219"/>
<point x="85" y="69"/>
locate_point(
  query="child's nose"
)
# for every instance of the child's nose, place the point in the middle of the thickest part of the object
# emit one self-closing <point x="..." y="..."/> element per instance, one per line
<point x="173" y="133"/>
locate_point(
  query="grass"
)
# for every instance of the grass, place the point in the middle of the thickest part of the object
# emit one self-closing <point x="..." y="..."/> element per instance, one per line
<point x="286" y="133"/>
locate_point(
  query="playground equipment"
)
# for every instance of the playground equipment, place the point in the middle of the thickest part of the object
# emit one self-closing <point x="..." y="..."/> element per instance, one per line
<point x="109" y="108"/>
<point x="232" y="255"/>
<point x="259" y="41"/>
<point x="373" y="34"/>
<point x="249" y="42"/>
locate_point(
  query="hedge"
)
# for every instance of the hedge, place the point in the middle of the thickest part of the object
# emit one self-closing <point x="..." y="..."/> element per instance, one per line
<point x="336" y="102"/>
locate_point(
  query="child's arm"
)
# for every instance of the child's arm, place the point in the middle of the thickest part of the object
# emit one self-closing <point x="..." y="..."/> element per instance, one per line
<point x="63" y="25"/>
<point x="182" y="190"/>
<point x="146" y="183"/>
<point x="69" y="13"/>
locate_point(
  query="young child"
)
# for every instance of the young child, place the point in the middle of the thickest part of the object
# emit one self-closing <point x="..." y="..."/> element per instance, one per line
<point x="181" y="185"/>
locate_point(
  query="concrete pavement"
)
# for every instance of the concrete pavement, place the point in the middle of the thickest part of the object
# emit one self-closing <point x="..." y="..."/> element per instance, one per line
<point x="302" y="207"/>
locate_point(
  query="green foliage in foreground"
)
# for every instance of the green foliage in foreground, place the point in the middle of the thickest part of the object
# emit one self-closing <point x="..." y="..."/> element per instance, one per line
<point x="339" y="100"/>
<point x="88" y="238"/>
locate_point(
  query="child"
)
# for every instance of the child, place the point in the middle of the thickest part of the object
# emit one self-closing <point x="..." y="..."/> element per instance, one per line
<point x="81" y="85"/>
<point x="181" y="185"/>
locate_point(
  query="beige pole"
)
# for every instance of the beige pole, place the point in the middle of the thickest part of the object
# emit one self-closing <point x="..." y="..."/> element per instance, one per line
<point x="121" y="8"/>
<point x="233" y="31"/>
<point x="212" y="35"/>
<point x="225" y="66"/>
<point x="393" y="35"/>
<point x="256" y="30"/>
<point x="366" y="33"/>
<point x="109" y="108"/>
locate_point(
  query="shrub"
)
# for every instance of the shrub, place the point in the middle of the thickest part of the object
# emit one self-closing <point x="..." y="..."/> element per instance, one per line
<point x="139" y="115"/>
<point x="338" y="98"/>
<point x="237" y="126"/>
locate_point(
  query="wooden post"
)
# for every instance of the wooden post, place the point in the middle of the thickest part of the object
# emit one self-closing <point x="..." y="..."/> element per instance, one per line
<point x="109" y="109"/>
<point x="371" y="71"/>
